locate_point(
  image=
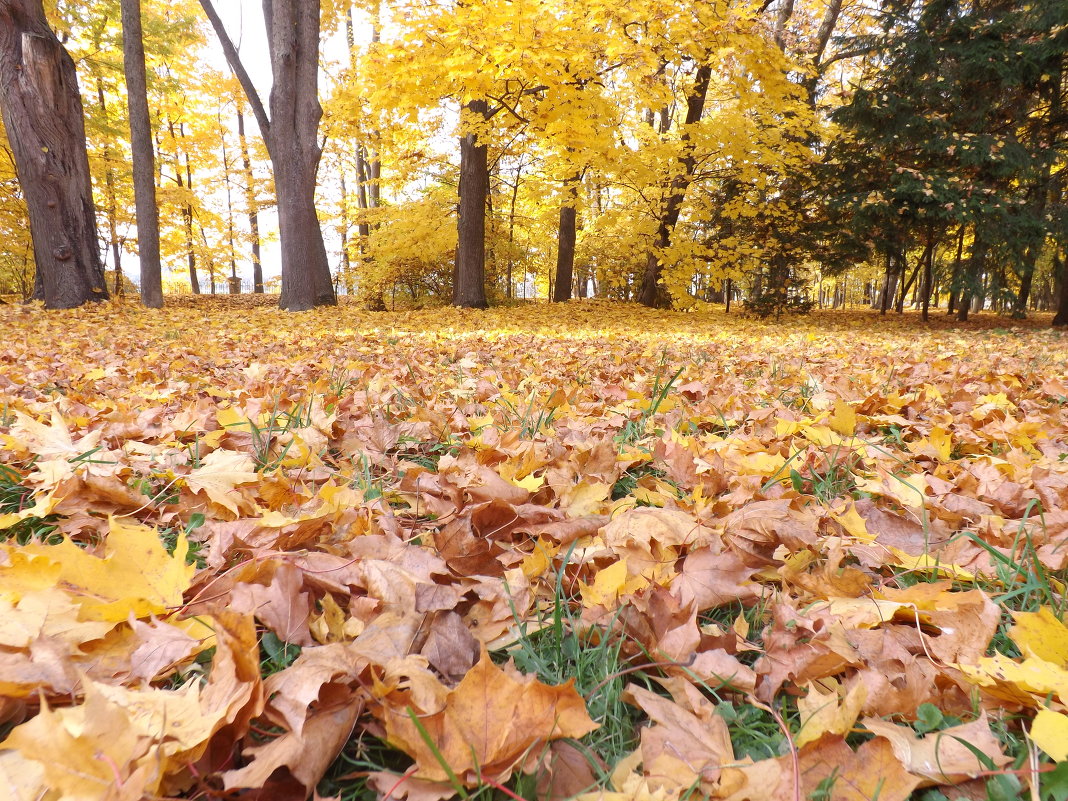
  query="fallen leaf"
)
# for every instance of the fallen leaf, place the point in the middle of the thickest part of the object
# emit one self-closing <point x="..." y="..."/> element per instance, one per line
<point x="487" y="724"/>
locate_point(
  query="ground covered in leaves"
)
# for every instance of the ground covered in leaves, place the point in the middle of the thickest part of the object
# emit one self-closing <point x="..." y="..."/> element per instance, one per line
<point x="586" y="551"/>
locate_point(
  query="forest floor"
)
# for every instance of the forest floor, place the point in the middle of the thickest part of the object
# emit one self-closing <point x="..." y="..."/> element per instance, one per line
<point x="539" y="552"/>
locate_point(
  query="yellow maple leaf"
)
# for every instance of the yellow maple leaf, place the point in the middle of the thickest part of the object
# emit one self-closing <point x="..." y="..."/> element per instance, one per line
<point x="843" y="419"/>
<point x="538" y="561"/>
<point x="927" y="562"/>
<point x="1041" y="634"/>
<point x="1049" y="730"/>
<point x="529" y="483"/>
<point x="219" y="473"/>
<point x="49" y="441"/>
<point x="135" y="576"/>
<point x="610" y="584"/>
<point x="586" y="498"/>
<point x="1027" y="681"/>
<point x="827" y="710"/>
<point x="854" y="524"/>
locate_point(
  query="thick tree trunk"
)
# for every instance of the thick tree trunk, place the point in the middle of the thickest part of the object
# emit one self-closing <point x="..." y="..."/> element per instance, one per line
<point x="565" y="249"/>
<point x="469" y="285"/>
<point x="144" y="158"/>
<point x="1019" y="304"/>
<point x="43" y="114"/>
<point x="652" y="292"/>
<point x="565" y="254"/>
<point x="1061" y="265"/>
<point x="293" y="36"/>
<point x="291" y="134"/>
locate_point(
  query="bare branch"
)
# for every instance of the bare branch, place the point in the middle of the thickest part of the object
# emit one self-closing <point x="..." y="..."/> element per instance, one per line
<point x="234" y="60"/>
<point x="830" y="19"/>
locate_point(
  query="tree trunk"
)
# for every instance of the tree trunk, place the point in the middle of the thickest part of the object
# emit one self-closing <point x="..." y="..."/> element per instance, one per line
<point x="111" y="209"/>
<point x="509" y="291"/>
<point x="293" y="34"/>
<point x="187" y="214"/>
<point x="955" y="277"/>
<point x="43" y="114"/>
<point x="915" y="274"/>
<point x="652" y="291"/>
<point x="343" y="233"/>
<point x="144" y="158"/>
<point x="177" y="132"/>
<point x="469" y="287"/>
<point x="291" y="135"/>
<point x="976" y="262"/>
<point x="1019" y="305"/>
<point x="884" y="302"/>
<point x="928" y="280"/>
<point x="252" y="204"/>
<point x="566" y="237"/>
<point x="234" y="281"/>
<point x="1061" y="265"/>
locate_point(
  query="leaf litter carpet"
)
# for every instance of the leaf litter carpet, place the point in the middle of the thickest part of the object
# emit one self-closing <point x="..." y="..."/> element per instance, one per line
<point x="822" y="559"/>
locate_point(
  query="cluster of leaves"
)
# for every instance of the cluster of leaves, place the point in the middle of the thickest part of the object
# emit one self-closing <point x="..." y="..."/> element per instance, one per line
<point x="588" y="551"/>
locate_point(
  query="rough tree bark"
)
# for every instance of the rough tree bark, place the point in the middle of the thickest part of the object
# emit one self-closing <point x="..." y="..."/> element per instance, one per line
<point x="566" y="238"/>
<point x="652" y="292"/>
<point x="291" y="135"/>
<point x="1061" y="265"/>
<point x="469" y="275"/>
<point x="144" y="158"/>
<point x="42" y="111"/>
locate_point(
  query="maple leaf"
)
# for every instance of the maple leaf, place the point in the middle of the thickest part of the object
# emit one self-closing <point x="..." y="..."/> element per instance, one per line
<point x="421" y="522"/>
<point x="136" y="576"/>
<point x="487" y="724"/>
<point x="219" y="473"/>
<point x="52" y="440"/>
<point x="684" y="747"/>
<point x="828" y="712"/>
<point x="1049" y="731"/>
<point x="945" y="756"/>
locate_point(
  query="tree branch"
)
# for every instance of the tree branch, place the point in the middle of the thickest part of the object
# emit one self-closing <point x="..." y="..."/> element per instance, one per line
<point x="234" y="60"/>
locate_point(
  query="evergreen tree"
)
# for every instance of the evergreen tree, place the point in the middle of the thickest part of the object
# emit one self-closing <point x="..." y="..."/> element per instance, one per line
<point x="953" y="131"/>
